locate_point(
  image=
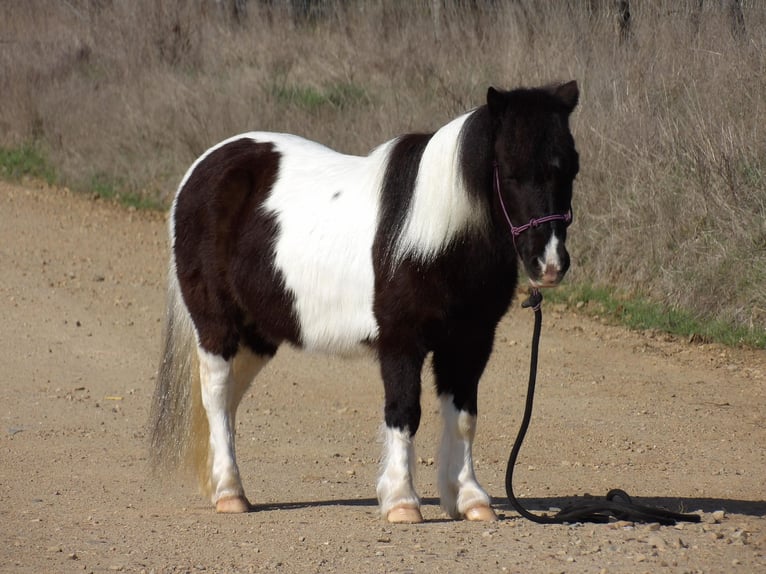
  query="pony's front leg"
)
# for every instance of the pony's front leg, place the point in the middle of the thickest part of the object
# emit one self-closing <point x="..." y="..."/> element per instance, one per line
<point x="458" y="365"/>
<point x="396" y="491"/>
<point x="460" y="492"/>
<point x="217" y="385"/>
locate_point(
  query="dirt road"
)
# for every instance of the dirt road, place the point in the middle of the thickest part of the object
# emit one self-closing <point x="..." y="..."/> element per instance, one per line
<point x="81" y="301"/>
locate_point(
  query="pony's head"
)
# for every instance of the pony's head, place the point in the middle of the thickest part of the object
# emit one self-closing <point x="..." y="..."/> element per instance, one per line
<point x="535" y="166"/>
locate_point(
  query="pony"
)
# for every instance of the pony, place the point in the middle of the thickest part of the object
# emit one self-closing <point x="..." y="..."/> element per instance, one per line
<point x="413" y="249"/>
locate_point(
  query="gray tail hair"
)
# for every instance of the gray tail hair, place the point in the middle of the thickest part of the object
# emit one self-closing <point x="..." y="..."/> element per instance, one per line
<point x="178" y="425"/>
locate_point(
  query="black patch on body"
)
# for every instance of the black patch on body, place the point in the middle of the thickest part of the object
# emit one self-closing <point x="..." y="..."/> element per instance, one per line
<point x="224" y="252"/>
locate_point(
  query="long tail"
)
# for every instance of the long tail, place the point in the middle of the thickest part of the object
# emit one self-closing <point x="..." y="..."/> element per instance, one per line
<point x="178" y="424"/>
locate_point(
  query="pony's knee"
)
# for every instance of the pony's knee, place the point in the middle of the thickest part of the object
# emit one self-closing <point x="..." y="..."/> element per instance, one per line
<point x="401" y="380"/>
<point x="405" y="417"/>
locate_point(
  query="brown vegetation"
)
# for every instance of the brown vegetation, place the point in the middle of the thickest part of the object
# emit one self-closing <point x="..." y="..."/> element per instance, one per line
<point x="671" y="128"/>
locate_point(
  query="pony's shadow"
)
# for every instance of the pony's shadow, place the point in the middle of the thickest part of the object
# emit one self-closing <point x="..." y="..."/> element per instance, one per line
<point x="731" y="506"/>
<point x="341" y="502"/>
<point x="351" y="502"/>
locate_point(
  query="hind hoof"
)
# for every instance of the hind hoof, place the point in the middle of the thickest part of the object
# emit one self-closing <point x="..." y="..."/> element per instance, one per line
<point x="481" y="514"/>
<point x="404" y="515"/>
<point x="232" y="505"/>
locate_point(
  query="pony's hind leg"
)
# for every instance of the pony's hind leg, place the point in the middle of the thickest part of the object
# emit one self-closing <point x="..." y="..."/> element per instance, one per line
<point x="224" y="383"/>
<point x="216" y="389"/>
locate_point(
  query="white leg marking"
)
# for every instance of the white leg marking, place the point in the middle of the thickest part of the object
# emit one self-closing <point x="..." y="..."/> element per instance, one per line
<point x="217" y="383"/>
<point x="459" y="490"/>
<point x="395" y="484"/>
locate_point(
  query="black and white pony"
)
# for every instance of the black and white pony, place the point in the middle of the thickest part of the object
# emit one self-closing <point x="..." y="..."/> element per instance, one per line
<point x="408" y="251"/>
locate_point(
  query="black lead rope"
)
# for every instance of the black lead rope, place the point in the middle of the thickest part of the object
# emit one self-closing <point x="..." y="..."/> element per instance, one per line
<point x="617" y="503"/>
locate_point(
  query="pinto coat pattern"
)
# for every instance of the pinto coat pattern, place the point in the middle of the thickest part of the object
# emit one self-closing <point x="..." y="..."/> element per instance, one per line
<point x="406" y="251"/>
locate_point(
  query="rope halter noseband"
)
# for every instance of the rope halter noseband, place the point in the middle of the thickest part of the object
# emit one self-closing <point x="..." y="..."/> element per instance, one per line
<point x="534" y="222"/>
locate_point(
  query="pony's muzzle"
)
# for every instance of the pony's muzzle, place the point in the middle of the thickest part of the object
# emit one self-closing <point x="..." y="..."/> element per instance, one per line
<point x="551" y="276"/>
<point x="552" y="266"/>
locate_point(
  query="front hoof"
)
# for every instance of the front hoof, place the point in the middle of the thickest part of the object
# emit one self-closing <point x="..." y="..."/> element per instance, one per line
<point x="404" y="515"/>
<point x="232" y="505"/>
<point x="481" y="514"/>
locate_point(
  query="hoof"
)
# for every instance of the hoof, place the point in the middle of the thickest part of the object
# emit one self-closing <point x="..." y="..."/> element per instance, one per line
<point x="232" y="505"/>
<point x="481" y="514"/>
<point x="404" y="515"/>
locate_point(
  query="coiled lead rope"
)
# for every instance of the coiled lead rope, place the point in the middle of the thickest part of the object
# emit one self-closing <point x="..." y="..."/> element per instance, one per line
<point x="616" y="504"/>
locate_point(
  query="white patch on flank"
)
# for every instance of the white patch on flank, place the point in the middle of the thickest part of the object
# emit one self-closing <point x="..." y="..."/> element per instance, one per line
<point x="550" y="255"/>
<point x="215" y="376"/>
<point x="326" y="206"/>
<point x="441" y="207"/>
<point x="395" y="484"/>
<point x="459" y="490"/>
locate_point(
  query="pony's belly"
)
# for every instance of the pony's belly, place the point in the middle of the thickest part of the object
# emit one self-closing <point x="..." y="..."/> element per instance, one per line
<point x="342" y="326"/>
<point x="359" y="350"/>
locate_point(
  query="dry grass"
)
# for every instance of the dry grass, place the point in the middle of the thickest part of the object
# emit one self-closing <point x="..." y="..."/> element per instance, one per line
<point x="672" y="125"/>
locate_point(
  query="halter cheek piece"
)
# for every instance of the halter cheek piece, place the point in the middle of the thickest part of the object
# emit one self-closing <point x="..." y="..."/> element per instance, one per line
<point x="518" y="230"/>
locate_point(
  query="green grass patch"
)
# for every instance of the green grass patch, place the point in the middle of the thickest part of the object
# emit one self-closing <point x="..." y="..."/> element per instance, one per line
<point x="640" y="313"/>
<point x="139" y="201"/>
<point x="305" y="97"/>
<point x="28" y="161"/>
<point x="344" y="95"/>
<point x="25" y="160"/>
<point x="114" y="189"/>
<point x="337" y="95"/>
<point x="105" y="186"/>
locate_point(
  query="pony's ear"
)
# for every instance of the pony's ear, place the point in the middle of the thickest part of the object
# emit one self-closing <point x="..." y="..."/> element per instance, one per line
<point x="568" y="94"/>
<point x="496" y="101"/>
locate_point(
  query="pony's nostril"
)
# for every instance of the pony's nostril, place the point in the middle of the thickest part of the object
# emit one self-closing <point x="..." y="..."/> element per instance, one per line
<point x="551" y="274"/>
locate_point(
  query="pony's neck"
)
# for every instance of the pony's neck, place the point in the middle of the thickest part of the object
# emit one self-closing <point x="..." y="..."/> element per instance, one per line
<point x="445" y="202"/>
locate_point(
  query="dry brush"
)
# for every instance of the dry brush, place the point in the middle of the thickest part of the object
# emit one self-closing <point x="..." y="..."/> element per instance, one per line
<point x="671" y="200"/>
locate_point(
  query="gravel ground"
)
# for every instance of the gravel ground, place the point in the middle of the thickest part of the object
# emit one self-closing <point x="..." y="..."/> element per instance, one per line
<point x="81" y="297"/>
